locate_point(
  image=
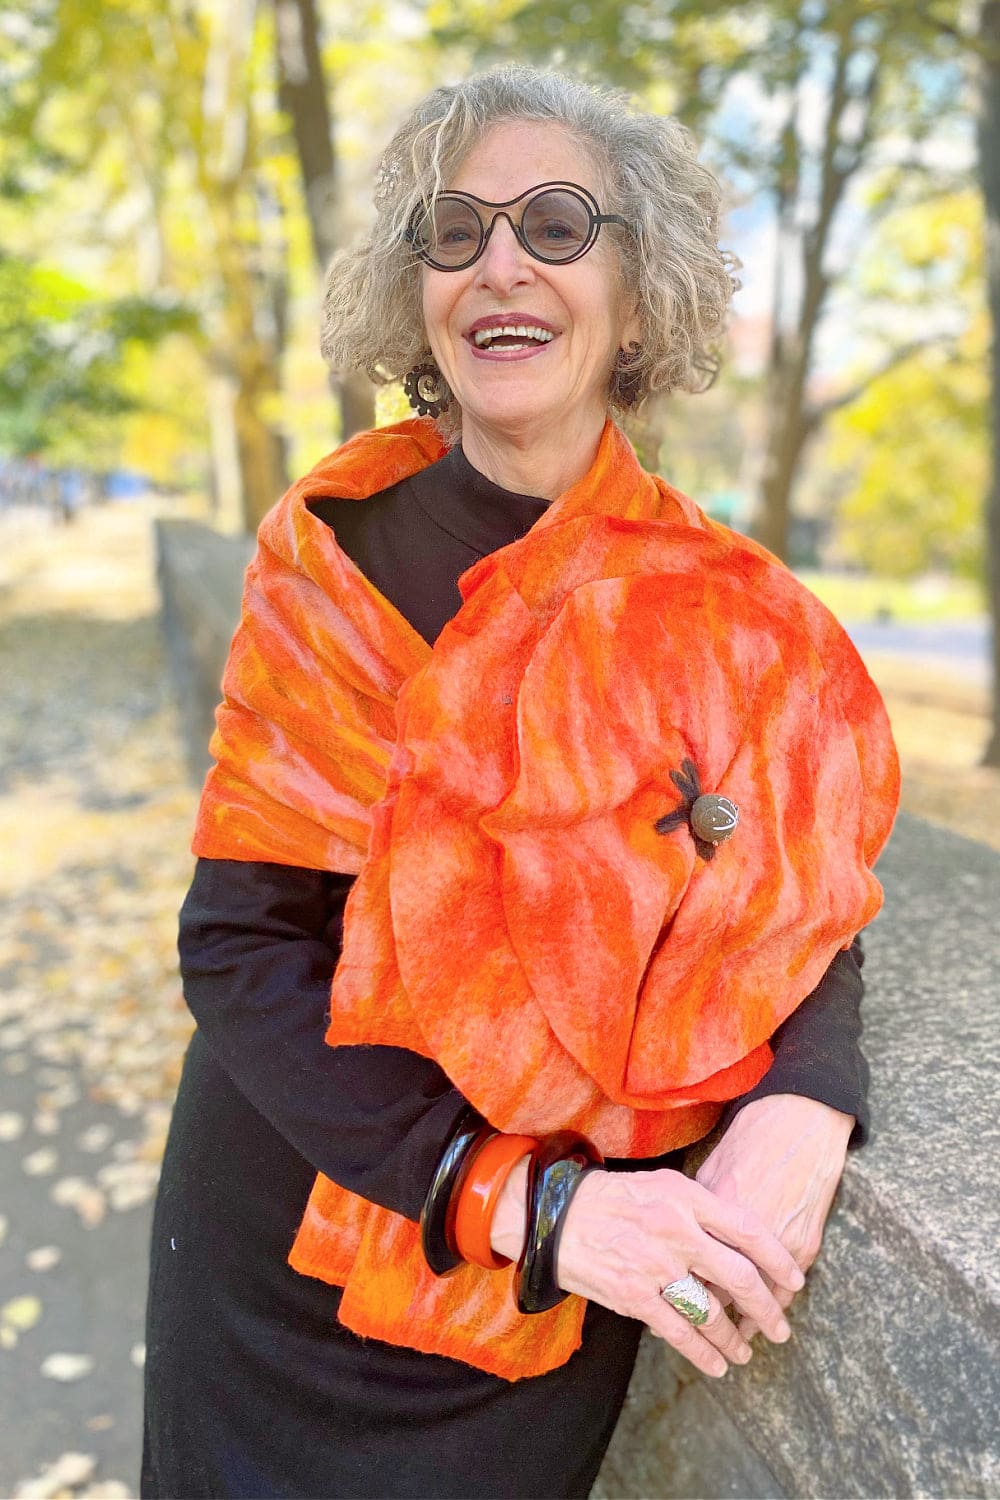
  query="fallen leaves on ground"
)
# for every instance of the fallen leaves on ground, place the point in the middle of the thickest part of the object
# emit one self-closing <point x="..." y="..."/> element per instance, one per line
<point x="66" y="1367"/>
<point x="21" y="1313"/>
<point x="63" y="1479"/>
<point x="95" y="812"/>
<point x="44" y="1258"/>
<point x="95" y="819"/>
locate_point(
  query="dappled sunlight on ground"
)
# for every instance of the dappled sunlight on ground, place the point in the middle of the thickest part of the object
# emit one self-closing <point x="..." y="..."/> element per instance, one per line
<point x="99" y="565"/>
<point x="941" y="725"/>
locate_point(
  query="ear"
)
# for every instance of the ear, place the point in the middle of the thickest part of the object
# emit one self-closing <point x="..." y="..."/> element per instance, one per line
<point x="630" y="330"/>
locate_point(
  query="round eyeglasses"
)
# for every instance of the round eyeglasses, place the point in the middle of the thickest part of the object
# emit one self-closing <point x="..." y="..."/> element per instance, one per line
<point x="558" y="222"/>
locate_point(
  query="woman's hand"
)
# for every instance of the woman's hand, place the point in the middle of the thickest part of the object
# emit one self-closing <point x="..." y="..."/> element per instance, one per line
<point x="627" y="1234"/>
<point x="782" y="1157"/>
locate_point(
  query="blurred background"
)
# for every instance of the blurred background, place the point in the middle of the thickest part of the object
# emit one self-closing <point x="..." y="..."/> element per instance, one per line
<point x="174" y="177"/>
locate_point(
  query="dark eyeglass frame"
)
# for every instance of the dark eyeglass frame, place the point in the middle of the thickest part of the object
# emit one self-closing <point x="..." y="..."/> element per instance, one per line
<point x="595" y="218"/>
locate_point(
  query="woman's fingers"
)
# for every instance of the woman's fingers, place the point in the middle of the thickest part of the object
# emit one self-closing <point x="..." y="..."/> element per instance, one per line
<point x="744" y="1231"/>
<point x="723" y="1334"/>
<point x="710" y="1346"/>
<point x="626" y="1235"/>
<point x="748" y="1327"/>
<point x="683" y="1336"/>
<point x="740" y="1280"/>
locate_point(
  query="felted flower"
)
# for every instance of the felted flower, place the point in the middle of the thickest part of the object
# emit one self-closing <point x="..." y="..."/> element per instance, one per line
<point x="564" y="961"/>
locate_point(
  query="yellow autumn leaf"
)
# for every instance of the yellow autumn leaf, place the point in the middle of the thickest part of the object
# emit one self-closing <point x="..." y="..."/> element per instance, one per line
<point x="21" y="1313"/>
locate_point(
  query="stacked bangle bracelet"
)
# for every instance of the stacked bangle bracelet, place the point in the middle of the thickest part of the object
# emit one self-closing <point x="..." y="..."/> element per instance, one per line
<point x="477" y="1199"/>
<point x="557" y="1167"/>
<point x="437" y="1235"/>
<point x="470" y="1176"/>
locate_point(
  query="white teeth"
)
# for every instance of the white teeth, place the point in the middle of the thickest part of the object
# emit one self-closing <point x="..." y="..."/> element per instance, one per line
<point x="483" y="336"/>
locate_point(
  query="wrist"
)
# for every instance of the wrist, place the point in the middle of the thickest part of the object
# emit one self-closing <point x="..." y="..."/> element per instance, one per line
<point x="795" y="1118"/>
<point x="508" y="1226"/>
<point x="812" y="1112"/>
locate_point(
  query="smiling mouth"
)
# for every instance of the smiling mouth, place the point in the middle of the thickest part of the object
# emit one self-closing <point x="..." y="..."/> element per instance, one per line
<point x="512" y="336"/>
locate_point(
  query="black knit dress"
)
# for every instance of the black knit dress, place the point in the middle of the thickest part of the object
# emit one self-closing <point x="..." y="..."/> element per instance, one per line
<point x="253" y="1388"/>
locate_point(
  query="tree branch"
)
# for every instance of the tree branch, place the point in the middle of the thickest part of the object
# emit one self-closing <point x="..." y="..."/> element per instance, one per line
<point x="818" y="412"/>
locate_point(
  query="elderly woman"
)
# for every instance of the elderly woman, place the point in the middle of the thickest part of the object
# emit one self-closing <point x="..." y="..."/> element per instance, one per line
<point x="540" y="830"/>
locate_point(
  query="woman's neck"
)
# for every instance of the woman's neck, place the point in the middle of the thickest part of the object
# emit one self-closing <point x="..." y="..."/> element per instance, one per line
<point x="543" y="464"/>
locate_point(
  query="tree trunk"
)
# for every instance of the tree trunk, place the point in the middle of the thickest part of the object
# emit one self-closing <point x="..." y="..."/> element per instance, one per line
<point x="788" y="421"/>
<point x="786" y="436"/>
<point x="252" y="359"/>
<point x="262" y="458"/>
<point x="989" y="172"/>
<point x="789" y="365"/>
<point x="303" y="95"/>
<point x="227" y="483"/>
<point x="219" y="125"/>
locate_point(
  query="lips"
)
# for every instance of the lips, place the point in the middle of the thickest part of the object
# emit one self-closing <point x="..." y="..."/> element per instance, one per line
<point x="509" y="318"/>
<point x="511" y="336"/>
<point x="503" y="335"/>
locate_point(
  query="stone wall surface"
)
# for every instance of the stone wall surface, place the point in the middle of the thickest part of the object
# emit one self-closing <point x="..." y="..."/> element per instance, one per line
<point x="200" y="577"/>
<point x="890" y="1385"/>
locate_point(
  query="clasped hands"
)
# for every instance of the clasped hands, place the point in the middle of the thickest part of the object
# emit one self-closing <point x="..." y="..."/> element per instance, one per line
<point x="748" y="1225"/>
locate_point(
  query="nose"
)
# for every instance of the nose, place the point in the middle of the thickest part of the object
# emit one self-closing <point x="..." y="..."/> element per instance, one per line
<point x="504" y="262"/>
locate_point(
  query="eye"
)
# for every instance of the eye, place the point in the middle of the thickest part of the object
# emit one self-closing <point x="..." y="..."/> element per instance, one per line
<point x="556" y="223"/>
<point x="556" y="230"/>
<point x="453" y="234"/>
<point x="455" y="225"/>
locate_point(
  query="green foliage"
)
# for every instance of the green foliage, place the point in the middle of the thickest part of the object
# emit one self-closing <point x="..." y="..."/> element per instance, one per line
<point x="915" y="444"/>
<point x="61" y="355"/>
<point x="732" y="70"/>
<point x="912" y="449"/>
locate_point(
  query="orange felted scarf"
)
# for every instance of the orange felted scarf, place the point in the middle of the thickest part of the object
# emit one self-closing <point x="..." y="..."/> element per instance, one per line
<point x="516" y="915"/>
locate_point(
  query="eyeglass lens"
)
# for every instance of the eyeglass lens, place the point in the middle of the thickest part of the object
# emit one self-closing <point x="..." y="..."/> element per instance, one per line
<point x="555" y="225"/>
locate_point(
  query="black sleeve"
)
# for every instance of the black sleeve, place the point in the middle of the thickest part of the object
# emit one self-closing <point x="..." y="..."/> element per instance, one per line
<point x="817" y="1051"/>
<point x="258" y="947"/>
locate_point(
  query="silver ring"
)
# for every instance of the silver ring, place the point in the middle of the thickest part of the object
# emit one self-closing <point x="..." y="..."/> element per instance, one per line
<point x="689" y="1297"/>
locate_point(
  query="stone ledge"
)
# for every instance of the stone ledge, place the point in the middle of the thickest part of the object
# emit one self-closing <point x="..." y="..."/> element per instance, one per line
<point x="200" y="576"/>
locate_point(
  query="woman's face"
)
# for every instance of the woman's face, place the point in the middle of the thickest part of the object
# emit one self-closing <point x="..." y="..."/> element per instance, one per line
<point x="555" y="390"/>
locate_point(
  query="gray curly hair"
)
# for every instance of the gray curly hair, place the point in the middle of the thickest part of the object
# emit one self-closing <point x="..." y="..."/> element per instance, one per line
<point x="682" y="281"/>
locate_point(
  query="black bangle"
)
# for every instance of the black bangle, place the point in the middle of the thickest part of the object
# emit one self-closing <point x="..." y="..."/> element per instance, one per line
<point x="557" y="1167"/>
<point x="437" y="1215"/>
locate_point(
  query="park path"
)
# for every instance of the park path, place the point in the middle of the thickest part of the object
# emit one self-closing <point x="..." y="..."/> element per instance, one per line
<point x="95" y="815"/>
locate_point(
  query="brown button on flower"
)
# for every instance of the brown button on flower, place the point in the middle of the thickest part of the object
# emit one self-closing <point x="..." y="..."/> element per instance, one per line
<point x="710" y="816"/>
<point x="713" y="818"/>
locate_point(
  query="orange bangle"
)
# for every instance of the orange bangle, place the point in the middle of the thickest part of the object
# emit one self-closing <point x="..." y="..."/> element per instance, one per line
<point x="483" y="1183"/>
